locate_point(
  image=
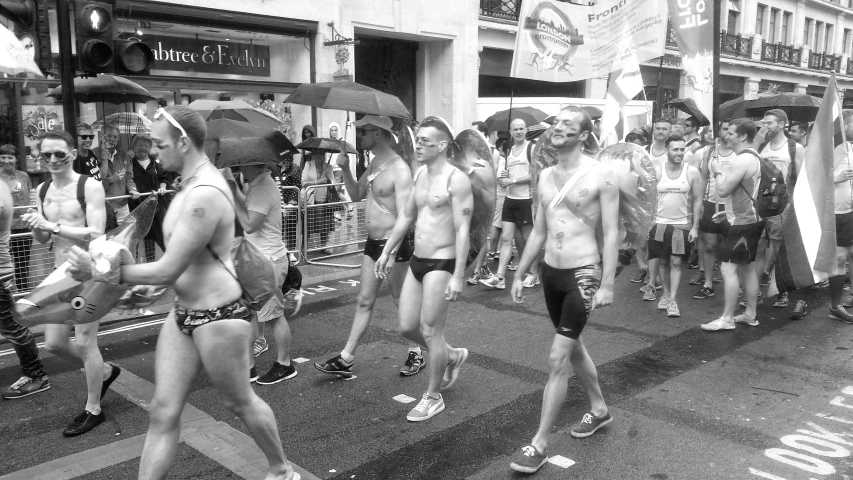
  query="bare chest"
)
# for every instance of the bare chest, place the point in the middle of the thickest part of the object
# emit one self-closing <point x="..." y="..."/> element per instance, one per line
<point x="382" y="185"/>
<point x="432" y="196"/>
<point x="62" y="205"/>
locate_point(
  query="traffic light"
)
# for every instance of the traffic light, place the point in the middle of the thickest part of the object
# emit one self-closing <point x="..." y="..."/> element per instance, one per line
<point x="33" y="27"/>
<point x="96" y="29"/>
<point x="133" y="57"/>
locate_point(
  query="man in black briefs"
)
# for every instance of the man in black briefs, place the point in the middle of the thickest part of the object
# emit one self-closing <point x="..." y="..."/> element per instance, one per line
<point x="386" y="185"/>
<point x="209" y="327"/>
<point x="442" y="204"/>
<point x="575" y="196"/>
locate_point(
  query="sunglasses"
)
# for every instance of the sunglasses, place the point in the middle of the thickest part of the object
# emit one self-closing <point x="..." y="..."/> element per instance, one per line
<point x="87" y="137"/>
<point x="60" y="155"/>
<point x="162" y="112"/>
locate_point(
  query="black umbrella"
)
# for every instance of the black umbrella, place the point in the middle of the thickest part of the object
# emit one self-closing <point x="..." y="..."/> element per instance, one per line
<point x="349" y="97"/>
<point x="234" y="110"/>
<point x="248" y="150"/>
<point x="735" y="108"/>
<point x="326" y="145"/>
<point x="798" y="106"/>
<point x="500" y="120"/>
<point x="688" y="106"/>
<point x="106" y="88"/>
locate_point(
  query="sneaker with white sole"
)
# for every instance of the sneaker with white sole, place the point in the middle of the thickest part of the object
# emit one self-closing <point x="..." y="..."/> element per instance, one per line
<point x="672" y="309"/>
<point x="426" y="408"/>
<point x="528" y="460"/>
<point x="496" y="281"/>
<point x="261" y="346"/>
<point x="26" y="386"/>
<point x="742" y="318"/>
<point x="530" y="280"/>
<point x="590" y="424"/>
<point x="650" y="295"/>
<point x="413" y="364"/>
<point x="718" y="324"/>
<point x="451" y="372"/>
<point x="664" y="303"/>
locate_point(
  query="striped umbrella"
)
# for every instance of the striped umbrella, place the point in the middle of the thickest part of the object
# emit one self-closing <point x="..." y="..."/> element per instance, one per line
<point x="126" y="122"/>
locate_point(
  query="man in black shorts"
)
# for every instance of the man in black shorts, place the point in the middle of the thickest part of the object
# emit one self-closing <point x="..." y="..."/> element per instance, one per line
<point x="386" y="185"/>
<point x="739" y="225"/>
<point x="575" y="196"/>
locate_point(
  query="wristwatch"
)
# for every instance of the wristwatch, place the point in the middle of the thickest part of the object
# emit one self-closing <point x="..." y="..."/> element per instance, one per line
<point x="55" y="230"/>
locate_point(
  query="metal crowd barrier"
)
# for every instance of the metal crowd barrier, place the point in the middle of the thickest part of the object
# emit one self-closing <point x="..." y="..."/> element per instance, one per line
<point x="330" y="226"/>
<point x="291" y="224"/>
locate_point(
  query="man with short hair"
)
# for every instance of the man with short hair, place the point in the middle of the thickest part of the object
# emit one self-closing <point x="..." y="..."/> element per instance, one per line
<point x="648" y="275"/>
<point x="678" y="209"/>
<point x="259" y="213"/>
<point x="63" y="221"/>
<point x="691" y="134"/>
<point x="517" y="212"/>
<point x="386" y="186"/>
<point x="34" y="378"/>
<point x="116" y="173"/>
<point x="709" y="231"/>
<point x="843" y="178"/>
<point x="777" y="149"/>
<point x="443" y="204"/>
<point x="575" y="196"/>
<point x="799" y="132"/>
<point x="87" y="163"/>
<point x="739" y="224"/>
<point x="209" y="326"/>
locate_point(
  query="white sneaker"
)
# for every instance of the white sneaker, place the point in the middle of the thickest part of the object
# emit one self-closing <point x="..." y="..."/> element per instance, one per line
<point x="664" y="303"/>
<point x="718" y="324"/>
<point x="672" y="309"/>
<point x="530" y="280"/>
<point x="742" y="318"/>
<point x="426" y="408"/>
<point x="451" y="372"/>
<point x="495" y="281"/>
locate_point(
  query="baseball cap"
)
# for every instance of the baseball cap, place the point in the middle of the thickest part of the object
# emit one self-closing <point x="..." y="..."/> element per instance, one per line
<point x="382" y="122"/>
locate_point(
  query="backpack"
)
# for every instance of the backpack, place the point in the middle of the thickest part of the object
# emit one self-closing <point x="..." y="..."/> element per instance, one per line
<point x="772" y="193"/>
<point x="81" y="194"/>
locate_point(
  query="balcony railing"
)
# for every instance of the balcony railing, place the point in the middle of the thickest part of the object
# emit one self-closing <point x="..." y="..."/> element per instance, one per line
<point x="850" y="66"/>
<point x="824" y="61"/>
<point x="778" y="53"/>
<point x="503" y="9"/>
<point x="734" y="44"/>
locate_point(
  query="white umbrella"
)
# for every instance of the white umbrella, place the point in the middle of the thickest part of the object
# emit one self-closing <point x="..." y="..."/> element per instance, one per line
<point x="14" y="58"/>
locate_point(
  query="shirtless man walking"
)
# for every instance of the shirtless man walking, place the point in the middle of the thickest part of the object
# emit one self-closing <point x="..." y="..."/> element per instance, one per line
<point x="62" y="220"/>
<point x="442" y="204"/>
<point x="386" y="185"/>
<point x="209" y="326"/>
<point x="574" y="195"/>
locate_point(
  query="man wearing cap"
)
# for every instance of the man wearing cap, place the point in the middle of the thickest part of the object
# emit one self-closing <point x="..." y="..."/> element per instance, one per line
<point x="386" y="185"/>
<point x="116" y="173"/>
<point x="259" y="213"/>
<point x="148" y="176"/>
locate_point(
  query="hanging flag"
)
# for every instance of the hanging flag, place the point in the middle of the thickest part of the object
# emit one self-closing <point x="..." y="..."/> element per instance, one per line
<point x="807" y="255"/>
<point x="693" y="25"/>
<point x="625" y="84"/>
<point x="14" y="57"/>
<point x="564" y="42"/>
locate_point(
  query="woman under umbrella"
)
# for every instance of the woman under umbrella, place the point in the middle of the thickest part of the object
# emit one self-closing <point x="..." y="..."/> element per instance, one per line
<point x="149" y="177"/>
<point x="289" y="176"/>
<point x="320" y="220"/>
<point x="308" y="131"/>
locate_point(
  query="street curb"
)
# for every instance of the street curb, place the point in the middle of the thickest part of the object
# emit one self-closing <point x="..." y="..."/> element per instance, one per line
<point x="161" y="311"/>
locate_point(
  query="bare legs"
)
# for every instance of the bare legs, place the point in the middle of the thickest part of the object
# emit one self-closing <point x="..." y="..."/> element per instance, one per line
<point x="709" y="253"/>
<point x="731" y="284"/>
<point x="222" y="348"/>
<point x="670" y="273"/>
<point x="565" y="353"/>
<point x="84" y="348"/>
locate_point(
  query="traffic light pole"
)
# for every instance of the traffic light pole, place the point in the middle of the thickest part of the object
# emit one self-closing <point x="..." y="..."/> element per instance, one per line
<point x="67" y="69"/>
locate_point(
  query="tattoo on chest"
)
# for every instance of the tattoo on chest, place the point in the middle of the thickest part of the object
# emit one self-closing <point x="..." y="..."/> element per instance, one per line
<point x="583" y="193"/>
<point x="608" y="182"/>
<point x="436" y="198"/>
<point x="198" y="212"/>
<point x="466" y="211"/>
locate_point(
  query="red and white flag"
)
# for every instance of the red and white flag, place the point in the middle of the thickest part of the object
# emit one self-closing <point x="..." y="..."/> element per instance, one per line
<point x="808" y="250"/>
<point x="625" y="84"/>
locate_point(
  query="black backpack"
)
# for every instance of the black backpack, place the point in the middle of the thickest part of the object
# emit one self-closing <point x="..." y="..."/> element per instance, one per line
<point x="772" y="193"/>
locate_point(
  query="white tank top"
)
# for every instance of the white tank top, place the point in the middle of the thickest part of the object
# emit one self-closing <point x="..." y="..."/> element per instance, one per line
<point x="675" y="206"/>
<point x="842" y="191"/>
<point x="739" y="207"/>
<point x="781" y="157"/>
<point x="517" y="167"/>
<point x="725" y="162"/>
<point x="657" y="160"/>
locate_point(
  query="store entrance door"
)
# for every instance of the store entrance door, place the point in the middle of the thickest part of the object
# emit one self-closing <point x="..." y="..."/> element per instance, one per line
<point x="388" y="65"/>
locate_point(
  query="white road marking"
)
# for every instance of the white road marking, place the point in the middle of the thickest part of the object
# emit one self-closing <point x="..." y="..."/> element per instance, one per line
<point x="150" y="323"/>
<point x="301" y="360"/>
<point x="561" y="461"/>
<point x="402" y="398"/>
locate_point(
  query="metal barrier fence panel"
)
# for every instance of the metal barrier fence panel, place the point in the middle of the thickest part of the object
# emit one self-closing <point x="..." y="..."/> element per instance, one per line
<point x="291" y="224"/>
<point x="332" y="229"/>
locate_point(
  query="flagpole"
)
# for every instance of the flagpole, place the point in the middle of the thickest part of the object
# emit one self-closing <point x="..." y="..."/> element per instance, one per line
<point x="509" y="116"/>
<point x="659" y="97"/>
<point x="718" y="6"/>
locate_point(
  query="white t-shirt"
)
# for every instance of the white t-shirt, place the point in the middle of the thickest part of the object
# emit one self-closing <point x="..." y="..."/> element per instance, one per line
<point x="264" y="197"/>
<point x="658" y="159"/>
<point x="780" y="157"/>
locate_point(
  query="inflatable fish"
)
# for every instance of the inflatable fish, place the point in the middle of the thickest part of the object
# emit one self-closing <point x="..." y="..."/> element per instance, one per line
<point x="474" y="159"/>
<point x="637" y="186"/>
<point x="61" y="299"/>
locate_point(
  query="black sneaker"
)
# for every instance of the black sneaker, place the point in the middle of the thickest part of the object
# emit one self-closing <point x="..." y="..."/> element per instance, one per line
<point x="83" y="423"/>
<point x="704" y="293"/>
<point x="253" y="375"/>
<point x="528" y="460"/>
<point x="801" y="309"/>
<point x="781" y="300"/>
<point x="640" y="277"/>
<point x="335" y="366"/>
<point x="840" y="314"/>
<point x="413" y="365"/>
<point x="26" y="386"/>
<point x="109" y="381"/>
<point x="765" y="279"/>
<point x="277" y="373"/>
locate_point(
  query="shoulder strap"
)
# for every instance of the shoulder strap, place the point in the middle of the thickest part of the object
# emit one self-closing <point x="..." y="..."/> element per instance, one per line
<point x="529" y="152"/>
<point x="418" y="174"/>
<point x="208" y="245"/>
<point x="757" y="157"/>
<point x="43" y="190"/>
<point x="763" y="144"/>
<point x="81" y="192"/>
<point x="569" y="184"/>
<point x="792" y="149"/>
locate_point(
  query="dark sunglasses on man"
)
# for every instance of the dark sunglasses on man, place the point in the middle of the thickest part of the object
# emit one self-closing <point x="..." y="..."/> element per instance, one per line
<point x="87" y="137"/>
<point x="59" y="155"/>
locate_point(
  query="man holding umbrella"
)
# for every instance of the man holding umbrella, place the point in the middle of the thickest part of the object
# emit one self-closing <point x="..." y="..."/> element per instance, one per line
<point x="386" y="185"/>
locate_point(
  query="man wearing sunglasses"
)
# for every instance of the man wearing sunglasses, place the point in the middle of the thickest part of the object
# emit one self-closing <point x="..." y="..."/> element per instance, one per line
<point x="62" y="220"/>
<point x="87" y="163"/>
<point x="209" y="326"/>
<point x="117" y="173"/>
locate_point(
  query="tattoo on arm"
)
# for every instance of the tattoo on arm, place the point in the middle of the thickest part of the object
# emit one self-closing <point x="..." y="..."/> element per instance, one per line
<point x="608" y="182"/>
<point x="198" y="212"/>
<point x="466" y="211"/>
